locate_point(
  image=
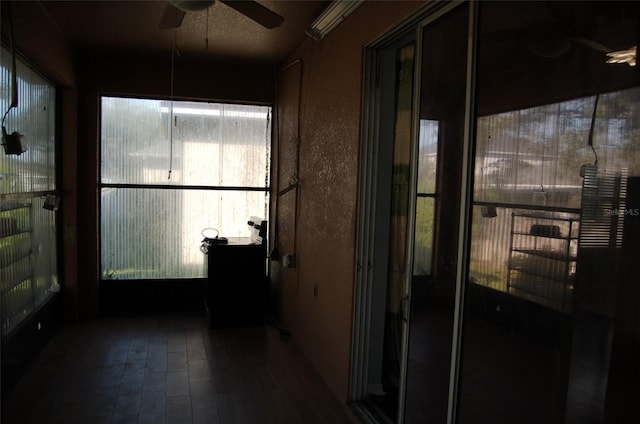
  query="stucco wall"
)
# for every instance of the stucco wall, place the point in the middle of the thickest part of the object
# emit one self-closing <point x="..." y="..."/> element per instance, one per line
<point x="319" y="100"/>
<point x="39" y="40"/>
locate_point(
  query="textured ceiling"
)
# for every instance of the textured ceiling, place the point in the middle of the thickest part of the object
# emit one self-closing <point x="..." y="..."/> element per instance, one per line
<point x="231" y="36"/>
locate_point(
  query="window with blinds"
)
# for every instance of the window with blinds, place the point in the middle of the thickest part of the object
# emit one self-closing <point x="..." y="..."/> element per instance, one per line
<point x="28" y="253"/>
<point x="171" y="169"/>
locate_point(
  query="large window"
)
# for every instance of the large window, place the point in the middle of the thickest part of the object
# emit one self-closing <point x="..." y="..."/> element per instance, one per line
<point x="170" y="170"/>
<point x="28" y="254"/>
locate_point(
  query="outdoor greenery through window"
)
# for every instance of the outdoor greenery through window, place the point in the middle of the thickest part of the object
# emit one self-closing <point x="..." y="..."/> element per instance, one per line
<point x="28" y="254"/>
<point x="170" y="170"/>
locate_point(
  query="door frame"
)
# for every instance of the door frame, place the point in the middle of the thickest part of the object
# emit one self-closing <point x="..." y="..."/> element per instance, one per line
<point x="371" y="225"/>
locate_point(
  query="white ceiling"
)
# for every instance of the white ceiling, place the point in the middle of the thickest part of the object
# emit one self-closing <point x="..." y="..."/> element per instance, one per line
<point x="133" y="25"/>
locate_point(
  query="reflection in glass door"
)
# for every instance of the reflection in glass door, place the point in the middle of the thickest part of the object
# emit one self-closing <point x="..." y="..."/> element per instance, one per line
<point x="524" y="219"/>
<point x="443" y="74"/>
<point x="409" y="229"/>
<point x="551" y="330"/>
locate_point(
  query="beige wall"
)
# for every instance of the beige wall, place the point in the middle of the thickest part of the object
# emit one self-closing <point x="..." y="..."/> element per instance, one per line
<point x="319" y="102"/>
<point x="40" y="40"/>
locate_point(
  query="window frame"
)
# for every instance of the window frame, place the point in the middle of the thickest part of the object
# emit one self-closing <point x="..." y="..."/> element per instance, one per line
<point x="266" y="189"/>
<point x="43" y="288"/>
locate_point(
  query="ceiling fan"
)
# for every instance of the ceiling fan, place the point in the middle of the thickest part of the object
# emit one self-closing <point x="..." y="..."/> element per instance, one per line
<point x="175" y="11"/>
<point x="554" y="32"/>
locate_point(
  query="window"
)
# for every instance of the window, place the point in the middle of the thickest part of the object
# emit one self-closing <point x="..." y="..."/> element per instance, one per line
<point x="28" y="254"/>
<point x="426" y="192"/>
<point x="170" y="170"/>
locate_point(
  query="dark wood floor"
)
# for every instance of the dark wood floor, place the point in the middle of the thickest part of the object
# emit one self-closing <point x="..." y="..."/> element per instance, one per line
<point x="170" y="369"/>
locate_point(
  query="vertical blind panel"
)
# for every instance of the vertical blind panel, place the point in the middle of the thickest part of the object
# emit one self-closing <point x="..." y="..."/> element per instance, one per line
<point x="33" y="170"/>
<point x="490" y="248"/>
<point x="44" y="242"/>
<point x="156" y="233"/>
<point x="28" y="264"/>
<point x="200" y="143"/>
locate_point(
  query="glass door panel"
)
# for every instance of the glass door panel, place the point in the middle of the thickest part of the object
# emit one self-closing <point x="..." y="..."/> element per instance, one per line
<point x="440" y="139"/>
<point x="550" y="329"/>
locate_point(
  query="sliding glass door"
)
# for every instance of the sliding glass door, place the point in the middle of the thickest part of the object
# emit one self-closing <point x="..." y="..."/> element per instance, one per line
<point x="407" y="281"/>
<point x="384" y="287"/>
<point x="521" y="303"/>
<point x="551" y="304"/>
<point x="438" y="164"/>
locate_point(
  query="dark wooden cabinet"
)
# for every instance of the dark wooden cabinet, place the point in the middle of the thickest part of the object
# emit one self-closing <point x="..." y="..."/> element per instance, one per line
<point x="236" y="287"/>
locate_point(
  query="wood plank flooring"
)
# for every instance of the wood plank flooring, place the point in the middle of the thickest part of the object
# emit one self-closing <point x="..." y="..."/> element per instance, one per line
<point x="167" y="369"/>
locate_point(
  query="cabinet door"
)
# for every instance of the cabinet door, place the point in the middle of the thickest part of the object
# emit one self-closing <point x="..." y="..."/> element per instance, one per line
<point x="236" y="286"/>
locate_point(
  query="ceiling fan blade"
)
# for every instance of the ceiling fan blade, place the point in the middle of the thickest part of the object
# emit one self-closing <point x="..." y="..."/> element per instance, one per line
<point x="171" y="17"/>
<point x="593" y="44"/>
<point x="256" y="12"/>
